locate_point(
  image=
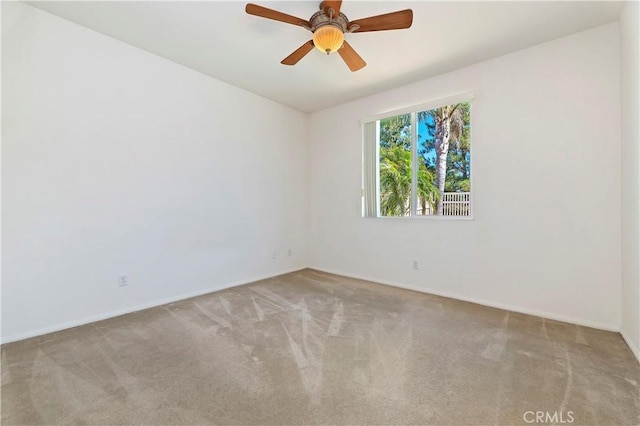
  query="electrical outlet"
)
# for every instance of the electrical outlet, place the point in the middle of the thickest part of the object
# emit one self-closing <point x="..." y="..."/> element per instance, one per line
<point x="274" y="255"/>
<point x="123" y="280"/>
<point x="415" y="265"/>
<point x="289" y="252"/>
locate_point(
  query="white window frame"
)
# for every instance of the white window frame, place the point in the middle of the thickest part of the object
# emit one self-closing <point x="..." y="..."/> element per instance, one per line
<point x="468" y="96"/>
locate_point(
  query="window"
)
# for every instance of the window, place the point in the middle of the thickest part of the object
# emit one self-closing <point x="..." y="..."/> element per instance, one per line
<point x="418" y="163"/>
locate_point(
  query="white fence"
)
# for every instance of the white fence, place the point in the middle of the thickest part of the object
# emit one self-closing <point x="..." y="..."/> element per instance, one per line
<point x="453" y="204"/>
<point x="456" y="204"/>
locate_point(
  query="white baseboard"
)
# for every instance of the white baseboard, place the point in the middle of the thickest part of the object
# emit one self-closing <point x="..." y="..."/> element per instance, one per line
<point x="631" y="345"/>
<point x="135" y="308"/>
<point x="139" y="307"/>
<point x="547" y="315"/>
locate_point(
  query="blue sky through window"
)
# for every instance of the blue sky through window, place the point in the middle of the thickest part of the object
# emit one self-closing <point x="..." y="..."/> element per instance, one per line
<point x="424" y="135"/>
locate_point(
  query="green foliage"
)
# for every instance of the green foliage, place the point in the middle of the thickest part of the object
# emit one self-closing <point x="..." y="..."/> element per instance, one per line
<point x="428" y="194"/>
<point x="395" y="181"/>
<point x="458" y="161"/>
<point x="396" y="131"/>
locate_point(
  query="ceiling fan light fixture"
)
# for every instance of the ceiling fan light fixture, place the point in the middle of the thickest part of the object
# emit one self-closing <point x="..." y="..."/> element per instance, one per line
<point x="329" y="25"/>
<point x="328" y="38"/>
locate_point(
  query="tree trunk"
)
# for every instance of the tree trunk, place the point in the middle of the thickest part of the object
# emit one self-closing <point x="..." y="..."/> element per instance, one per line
<point x="442" y="136"/>
<point x="441" y="171"/>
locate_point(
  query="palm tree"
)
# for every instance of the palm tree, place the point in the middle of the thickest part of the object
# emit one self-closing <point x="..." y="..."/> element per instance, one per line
<point x="395" y="183"/>
<point x="449" y="127"/>
<point x="428" y="193"/>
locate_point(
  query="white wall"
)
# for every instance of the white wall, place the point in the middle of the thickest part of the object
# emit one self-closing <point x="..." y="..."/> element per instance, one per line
<point x="546" y="181"/>
<point x="630" y="52"/>
<point x="118" y="161"/>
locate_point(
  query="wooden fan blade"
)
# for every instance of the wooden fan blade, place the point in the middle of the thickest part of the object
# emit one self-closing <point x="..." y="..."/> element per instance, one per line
<point x="351" y="58"/>
<point x="389" y="21"/>
<point x="263" y="12"/>
<point x="298" y="54"/>
<point x="332" y="4"/>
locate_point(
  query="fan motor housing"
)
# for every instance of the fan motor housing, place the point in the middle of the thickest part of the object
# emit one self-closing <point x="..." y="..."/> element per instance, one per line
<point x="320" y="19"/>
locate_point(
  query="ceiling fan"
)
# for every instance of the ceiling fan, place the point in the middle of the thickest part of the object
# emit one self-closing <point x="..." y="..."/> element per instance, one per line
<point x="329" y="25"/>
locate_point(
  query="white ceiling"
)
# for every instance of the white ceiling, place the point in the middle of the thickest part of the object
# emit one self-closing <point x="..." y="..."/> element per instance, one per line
<point x="219" y="39"/>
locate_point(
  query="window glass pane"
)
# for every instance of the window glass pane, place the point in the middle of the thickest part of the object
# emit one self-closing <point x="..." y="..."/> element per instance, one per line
<point x="395" y="166"/>
<point x="444" y="161"/>
<point x="428" y="194"/>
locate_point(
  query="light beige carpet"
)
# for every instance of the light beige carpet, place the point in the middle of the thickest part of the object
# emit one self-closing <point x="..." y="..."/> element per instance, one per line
<point x="315" y="348"/>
